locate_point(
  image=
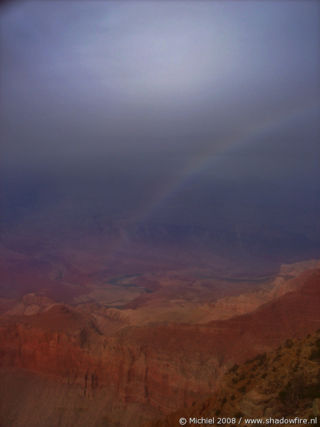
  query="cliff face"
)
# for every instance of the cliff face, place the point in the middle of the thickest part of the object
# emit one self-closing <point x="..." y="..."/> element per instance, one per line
<point x="142" y="372"/>
<point x="124" y="367"/>
<point x="282" y="383"/>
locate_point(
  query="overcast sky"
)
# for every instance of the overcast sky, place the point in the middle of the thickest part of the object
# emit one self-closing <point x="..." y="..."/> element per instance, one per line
<point x="147" y="100"/>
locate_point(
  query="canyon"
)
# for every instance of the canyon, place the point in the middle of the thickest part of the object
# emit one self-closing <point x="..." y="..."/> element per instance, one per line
<point x="166" y="343"/>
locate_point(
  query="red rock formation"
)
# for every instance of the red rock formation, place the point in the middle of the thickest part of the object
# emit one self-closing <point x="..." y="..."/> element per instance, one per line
<point x="159" y="367"/>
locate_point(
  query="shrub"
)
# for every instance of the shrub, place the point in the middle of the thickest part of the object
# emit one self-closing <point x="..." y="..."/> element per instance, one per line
<point x="260" y="358"/>
<point x="293" y="392"/>
<point x="315" y="353"/>
<point x="288" y="343"/>
<point x="234" y="368"/>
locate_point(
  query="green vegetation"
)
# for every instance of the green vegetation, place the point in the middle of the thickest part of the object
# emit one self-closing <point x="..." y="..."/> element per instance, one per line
<point x="315" y="353"/>
<point x="298" y="389"/>
<point x="288" y="343"/>
<point x="234" y="368"/>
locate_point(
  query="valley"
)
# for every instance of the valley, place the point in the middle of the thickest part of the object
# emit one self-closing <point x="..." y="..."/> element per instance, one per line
<point x="128" y="349"/>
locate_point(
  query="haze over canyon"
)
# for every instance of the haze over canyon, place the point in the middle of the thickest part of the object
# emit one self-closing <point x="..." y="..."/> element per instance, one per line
<point x="159" y="212"/>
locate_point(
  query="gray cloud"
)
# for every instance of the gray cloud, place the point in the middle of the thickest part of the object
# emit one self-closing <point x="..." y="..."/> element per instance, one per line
<point x="134" y="95"/>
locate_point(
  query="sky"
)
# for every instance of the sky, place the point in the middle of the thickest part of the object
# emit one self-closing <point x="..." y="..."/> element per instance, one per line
<point x="176" y="111"/>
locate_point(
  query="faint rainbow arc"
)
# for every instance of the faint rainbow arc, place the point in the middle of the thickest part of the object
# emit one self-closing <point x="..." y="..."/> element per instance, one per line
<point x="241" y="137"/>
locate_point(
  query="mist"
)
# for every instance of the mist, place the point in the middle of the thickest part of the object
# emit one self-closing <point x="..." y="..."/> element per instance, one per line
<point x="186" y="113"/>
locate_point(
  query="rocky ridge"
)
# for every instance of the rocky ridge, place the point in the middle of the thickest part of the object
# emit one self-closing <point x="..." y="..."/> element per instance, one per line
<point x="284" y="383"/>
<point x="152" y="369"/>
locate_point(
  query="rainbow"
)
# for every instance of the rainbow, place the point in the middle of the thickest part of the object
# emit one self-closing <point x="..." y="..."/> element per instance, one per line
<point x="244" y="136"/>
